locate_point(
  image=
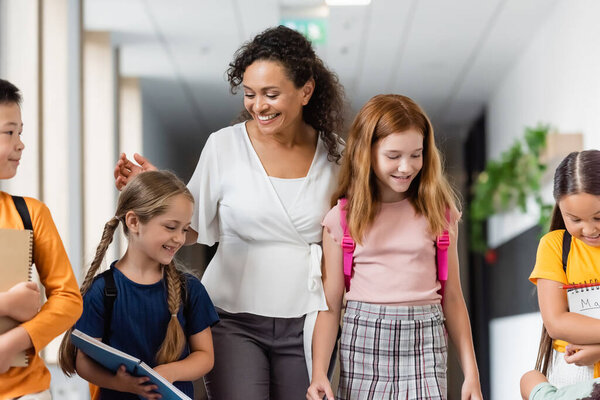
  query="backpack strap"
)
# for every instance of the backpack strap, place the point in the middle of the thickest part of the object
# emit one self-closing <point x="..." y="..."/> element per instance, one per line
<point x="348" y="244"/>
<point x="110" y="295"/>
<point x="23" y="212"/>
<point x="442" y="243"/>
<point x="566" y="248"/>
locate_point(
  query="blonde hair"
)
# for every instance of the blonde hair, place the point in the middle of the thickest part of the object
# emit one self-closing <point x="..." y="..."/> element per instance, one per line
<point x="147" y="195"/>
<point x="430" y="193"/>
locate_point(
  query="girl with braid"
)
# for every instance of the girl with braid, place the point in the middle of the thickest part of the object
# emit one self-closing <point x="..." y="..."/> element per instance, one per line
<point x="160" y="315"/>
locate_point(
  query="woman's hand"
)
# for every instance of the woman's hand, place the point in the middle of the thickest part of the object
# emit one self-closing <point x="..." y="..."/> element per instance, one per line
<point x="582" y="355"/>
<point x="21" y="302"/>
<point x="318" y="388"/>
<point x="125" y="382"/>
<point x="126" y="169"/>
<point x="471" y="390"/>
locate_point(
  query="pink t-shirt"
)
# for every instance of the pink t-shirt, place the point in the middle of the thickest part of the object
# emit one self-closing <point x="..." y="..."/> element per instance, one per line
<point x="396" y="262"/>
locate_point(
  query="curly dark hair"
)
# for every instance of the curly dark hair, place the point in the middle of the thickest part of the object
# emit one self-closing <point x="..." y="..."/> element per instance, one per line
<point x="324" y="111"/>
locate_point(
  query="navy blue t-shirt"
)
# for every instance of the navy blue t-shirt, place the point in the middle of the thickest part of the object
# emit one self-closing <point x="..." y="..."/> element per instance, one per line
<point x="140" y="317"/>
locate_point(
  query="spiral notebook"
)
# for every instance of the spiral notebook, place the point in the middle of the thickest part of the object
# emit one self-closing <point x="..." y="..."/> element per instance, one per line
<point x="584" y="298"/>
<point x="16" y="248"/>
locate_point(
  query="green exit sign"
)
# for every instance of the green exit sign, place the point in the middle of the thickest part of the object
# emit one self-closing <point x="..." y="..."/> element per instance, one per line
<point x="314" y="29"/>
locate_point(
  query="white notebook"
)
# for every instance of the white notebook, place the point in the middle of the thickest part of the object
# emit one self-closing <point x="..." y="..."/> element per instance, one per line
<point x="585" y="300"/>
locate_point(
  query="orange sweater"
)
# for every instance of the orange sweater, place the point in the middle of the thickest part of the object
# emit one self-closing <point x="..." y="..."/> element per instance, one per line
<point x="64" y="304"/>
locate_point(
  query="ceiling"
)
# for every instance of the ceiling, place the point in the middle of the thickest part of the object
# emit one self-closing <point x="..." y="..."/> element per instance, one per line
<point x="447" y="55"/>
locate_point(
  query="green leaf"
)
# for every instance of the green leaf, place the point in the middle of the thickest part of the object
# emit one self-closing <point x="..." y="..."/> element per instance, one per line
<point x="508" y="182"/>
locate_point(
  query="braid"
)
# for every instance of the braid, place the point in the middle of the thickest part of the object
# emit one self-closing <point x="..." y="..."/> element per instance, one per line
<point x="67" y="351"/>
<point x="107" y="238"/>
<point x="175" y="339"/>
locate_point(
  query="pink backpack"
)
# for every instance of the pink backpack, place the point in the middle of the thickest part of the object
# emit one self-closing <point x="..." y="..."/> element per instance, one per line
<point x="348" y="245"/>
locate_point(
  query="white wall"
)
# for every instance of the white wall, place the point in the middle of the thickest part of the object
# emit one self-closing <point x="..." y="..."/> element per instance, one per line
<point x="99" y="140"/>
<point x="556" y="80"/>
<point x="19" y="63"/>
<point x="512" y="352"/>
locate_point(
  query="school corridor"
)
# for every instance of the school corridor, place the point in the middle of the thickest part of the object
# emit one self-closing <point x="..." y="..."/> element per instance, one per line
<point x="103" y="77"/>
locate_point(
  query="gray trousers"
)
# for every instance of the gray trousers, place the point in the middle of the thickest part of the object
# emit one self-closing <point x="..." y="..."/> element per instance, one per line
<point x="257" y="358"/>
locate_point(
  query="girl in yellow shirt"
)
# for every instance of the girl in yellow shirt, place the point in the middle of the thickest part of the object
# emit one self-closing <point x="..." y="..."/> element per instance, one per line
<point x="576" y="213"/>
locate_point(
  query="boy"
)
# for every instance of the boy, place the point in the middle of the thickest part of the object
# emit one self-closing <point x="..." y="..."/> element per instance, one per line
<point x="64" y="304"/>
<point x="535" y="386"/>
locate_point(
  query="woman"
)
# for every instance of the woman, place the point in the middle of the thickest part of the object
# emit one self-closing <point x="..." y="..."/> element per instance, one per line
<point x="262" y="188"/>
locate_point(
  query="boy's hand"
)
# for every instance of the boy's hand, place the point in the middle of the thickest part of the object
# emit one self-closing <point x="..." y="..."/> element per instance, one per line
<point x="7" y="352"/>
<point x="22" y="301"/>
<point x="137" y="385"/>
<point x="126" y="169"/>
<point x="5" y="360"/>
<point x="582" y="355"/>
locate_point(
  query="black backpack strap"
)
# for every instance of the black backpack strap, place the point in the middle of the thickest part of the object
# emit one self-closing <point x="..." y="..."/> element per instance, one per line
<point x="566" y="248"/>
<point x="110" y="295"/>
<point x="23" y="211"/>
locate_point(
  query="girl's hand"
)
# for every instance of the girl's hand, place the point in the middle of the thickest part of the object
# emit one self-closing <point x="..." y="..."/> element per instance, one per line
<point x="471" y="390"/>
<point x="125" y="169"/>
<point x="125" y="382"/>
<point x="318" y="388"/>
<point x="23" y="301"/>
<point x="163" y="370"/>
<point x="582" y="355"/>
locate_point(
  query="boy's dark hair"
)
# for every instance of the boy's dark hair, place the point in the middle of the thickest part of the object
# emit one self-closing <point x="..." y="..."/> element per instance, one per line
<point x="595" y="395"/>
<point x="9" y="93"/>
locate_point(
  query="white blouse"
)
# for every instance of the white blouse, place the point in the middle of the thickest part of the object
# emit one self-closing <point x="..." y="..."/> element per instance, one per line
<point x="268" y="261"/>
<point x="287" y="189"/>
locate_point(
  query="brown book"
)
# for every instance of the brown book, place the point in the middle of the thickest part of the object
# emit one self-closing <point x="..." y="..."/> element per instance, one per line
<point x="16" y="253"/>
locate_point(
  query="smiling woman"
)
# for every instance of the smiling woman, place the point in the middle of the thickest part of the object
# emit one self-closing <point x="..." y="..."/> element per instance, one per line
<point x="262" y="188"/>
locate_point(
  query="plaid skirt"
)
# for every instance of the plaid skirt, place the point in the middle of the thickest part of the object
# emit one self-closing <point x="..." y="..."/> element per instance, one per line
<point x="392" y="352"/>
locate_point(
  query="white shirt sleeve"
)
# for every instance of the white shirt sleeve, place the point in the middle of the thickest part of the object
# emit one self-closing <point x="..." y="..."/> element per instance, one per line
<point x="205" y="187"/>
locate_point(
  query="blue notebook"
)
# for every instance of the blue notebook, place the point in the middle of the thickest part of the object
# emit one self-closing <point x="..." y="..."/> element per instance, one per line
<point x="112" y="359"/>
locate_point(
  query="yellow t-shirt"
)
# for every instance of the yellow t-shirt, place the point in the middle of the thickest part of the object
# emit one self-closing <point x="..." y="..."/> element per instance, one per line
<point x="583" y="264"/>
<point x="64" y="304"/>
